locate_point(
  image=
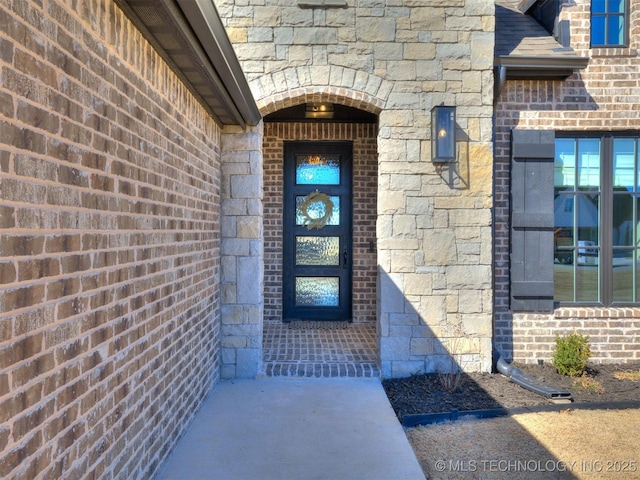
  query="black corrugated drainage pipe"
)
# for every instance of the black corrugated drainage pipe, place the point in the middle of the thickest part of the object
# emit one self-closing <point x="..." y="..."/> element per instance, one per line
<point x="555" y="395"/>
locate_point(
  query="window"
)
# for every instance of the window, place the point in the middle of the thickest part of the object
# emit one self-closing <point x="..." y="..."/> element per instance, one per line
<point x="596" y="220"/>
<point x="608" y="23"/>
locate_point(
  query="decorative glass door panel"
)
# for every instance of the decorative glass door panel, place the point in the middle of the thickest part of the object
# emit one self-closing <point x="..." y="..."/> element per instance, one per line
<point x="318" y="250"/>
<point x="314" y="169"/>
<point x="317" y="291"/>
<point x="307" y="210"/>
<point x="317" y="231"/>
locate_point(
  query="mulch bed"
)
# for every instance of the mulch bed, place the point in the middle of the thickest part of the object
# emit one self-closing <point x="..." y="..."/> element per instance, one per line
<point x="420" y="394"/>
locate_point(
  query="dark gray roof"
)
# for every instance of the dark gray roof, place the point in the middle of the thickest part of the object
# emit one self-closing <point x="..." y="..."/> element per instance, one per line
<point x="526" y="49"/>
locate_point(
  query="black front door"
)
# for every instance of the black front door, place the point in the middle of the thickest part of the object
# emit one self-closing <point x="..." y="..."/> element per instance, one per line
<point x="317" y="231"/>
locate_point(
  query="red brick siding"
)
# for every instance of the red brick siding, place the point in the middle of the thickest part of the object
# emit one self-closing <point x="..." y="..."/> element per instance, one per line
<point x="365" y="185"/>
<point x="109" y="249"/>
<point x="613" y="333"/>
<point x="605" y="96"/>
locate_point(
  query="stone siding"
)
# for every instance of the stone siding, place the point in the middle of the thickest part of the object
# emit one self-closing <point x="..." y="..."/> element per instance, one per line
<point x="242" y="250"/>
<point x="433" y="227"/>
<point x="110" y="248"/>
<point x="603" y="97"/>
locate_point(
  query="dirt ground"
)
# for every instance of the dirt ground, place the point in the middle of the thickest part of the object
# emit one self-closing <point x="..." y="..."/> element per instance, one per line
<point x="587" y="439"/>
<point x="583" y="444"/>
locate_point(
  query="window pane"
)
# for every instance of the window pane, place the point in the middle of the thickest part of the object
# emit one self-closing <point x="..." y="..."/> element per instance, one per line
<point x="623" y="276"/>
<point x="317" y="169"/>
<point x="598" y="6"/>
<point x="615" y="31"/>
<point x="565" y="163"/>
<point x="588" y="213"/>
<point x="563" y="219"/>
<point x="624" y="162"/>
<point x="587" y="281"/>
<point x="597" y="30"/>
<point x="589" y="162"/>
<point x="563" y="244"/>
<point x="317" y="211"/>
<point x="623" y="227"/>
<point x="636" y="264"/>
<point x="587" y="252"/>
<point x="563" y="282"/>
<point x="318" y="251"/>
<point x="616" y="6"/>
<point x="317" y="291"/>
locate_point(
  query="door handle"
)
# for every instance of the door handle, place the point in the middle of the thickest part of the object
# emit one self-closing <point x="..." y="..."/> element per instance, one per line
<point x="344" y="258"/>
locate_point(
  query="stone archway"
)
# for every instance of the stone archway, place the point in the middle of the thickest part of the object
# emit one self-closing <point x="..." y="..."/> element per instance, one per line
<point x="352" y="349"/>
<point x="243" y="238"/>
<point x="294" y="85"/>
<point x="424" y="300"/>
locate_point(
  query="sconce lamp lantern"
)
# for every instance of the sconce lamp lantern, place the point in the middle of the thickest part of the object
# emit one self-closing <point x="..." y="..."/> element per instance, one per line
<point x="319" y="110"/>
<point x="443" y="134"/>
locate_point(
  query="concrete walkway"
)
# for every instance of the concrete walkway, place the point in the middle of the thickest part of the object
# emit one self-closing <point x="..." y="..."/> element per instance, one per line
<point x="295" y="429"/>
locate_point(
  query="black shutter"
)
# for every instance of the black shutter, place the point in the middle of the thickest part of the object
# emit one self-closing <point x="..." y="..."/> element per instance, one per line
<point x="532" y="155"/>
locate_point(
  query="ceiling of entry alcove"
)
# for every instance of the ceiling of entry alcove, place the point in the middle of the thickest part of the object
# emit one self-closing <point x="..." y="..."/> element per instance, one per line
<point x="341" y="114"/>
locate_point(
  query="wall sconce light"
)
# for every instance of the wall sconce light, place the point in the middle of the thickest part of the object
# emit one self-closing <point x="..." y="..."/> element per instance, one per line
<point x="319" y="110"/>
<point x="443" y="134"/>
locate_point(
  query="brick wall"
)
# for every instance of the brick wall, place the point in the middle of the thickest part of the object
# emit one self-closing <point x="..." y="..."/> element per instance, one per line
<point x="365" y="171"/>
<point x="603" y="97"/>
<point x="109" y="248"/>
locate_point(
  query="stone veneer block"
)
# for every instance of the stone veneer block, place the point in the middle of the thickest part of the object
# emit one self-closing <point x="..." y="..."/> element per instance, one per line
<point x="248" y="362"/>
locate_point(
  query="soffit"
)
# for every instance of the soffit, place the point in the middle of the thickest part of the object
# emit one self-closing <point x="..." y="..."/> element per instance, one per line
<point x="190" y="37"/>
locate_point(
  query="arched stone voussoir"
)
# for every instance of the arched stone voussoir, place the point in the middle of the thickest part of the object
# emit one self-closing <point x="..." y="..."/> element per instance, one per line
<point x="359" y="89"/>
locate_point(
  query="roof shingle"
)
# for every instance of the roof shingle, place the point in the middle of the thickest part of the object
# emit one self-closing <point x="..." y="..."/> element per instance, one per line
<point x="525" y="49"/>
<point x="521" y="35"/>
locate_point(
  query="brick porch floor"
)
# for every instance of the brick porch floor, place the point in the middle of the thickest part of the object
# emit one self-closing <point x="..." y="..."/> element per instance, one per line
<point x="346" y="351"/>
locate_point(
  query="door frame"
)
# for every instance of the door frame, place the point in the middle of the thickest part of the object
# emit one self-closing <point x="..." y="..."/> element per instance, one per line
<point x="343" y="312"/>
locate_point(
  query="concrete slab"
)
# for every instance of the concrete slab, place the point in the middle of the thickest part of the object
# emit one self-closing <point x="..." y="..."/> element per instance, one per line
<point x="295" y="429"/>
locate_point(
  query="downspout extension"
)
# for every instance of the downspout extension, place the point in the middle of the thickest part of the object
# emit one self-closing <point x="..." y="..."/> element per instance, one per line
<point x="555" y="395"/>
<point x="500" y="81"/>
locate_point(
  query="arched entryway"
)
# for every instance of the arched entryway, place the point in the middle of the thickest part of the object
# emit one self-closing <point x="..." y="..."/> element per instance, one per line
<point x="309" y="346"/>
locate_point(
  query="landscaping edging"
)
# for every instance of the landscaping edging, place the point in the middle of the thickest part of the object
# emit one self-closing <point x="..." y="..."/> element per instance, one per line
<point x="414" y="420"/>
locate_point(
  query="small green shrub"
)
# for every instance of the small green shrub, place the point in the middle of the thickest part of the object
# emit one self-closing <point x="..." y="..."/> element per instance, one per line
<point x="571" y="354"/>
